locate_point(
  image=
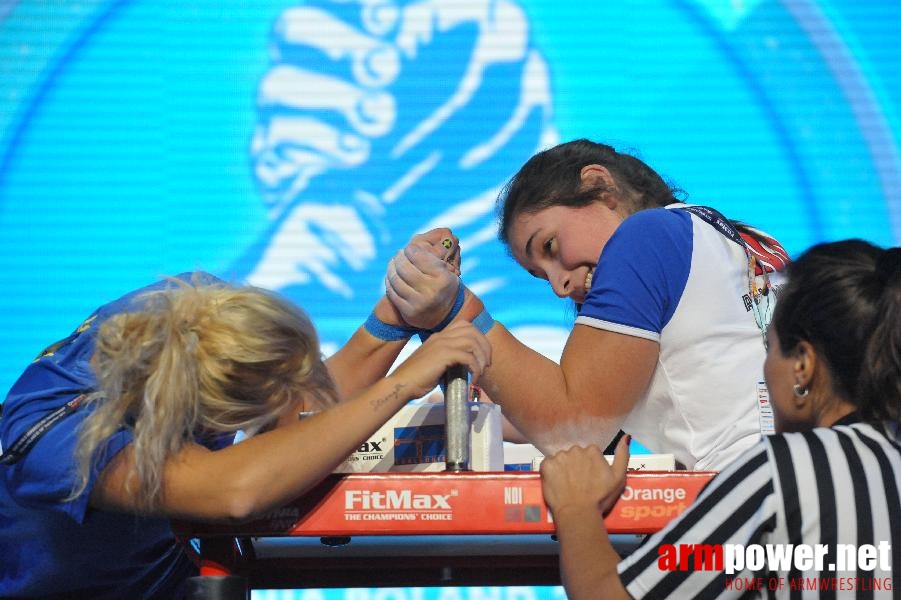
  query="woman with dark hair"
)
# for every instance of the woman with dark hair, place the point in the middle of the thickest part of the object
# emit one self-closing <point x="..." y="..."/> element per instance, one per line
<point x="672" y="303"/>
<point x="829" y="481"/>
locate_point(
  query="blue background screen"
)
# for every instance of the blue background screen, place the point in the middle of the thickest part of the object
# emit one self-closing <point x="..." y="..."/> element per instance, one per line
<point x="298" y="145"/>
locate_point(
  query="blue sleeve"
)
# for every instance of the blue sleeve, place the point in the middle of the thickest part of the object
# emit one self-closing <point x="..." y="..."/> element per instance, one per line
<point x="641" y="274"/>
<point x="46" y="475"/>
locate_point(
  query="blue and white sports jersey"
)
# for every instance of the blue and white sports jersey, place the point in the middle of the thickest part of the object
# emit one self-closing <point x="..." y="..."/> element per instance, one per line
<point x="669" y="276"/>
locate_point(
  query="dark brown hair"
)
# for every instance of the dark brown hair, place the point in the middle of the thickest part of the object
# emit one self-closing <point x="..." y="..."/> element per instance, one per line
<point x="553" y="178"/>
<point x="844" y="298"/>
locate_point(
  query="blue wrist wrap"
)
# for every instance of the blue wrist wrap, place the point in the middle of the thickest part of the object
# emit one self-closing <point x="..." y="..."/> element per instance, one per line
<point x="483" y="322"/>
<point x="458" y="304"/>
<point x="385" y="331"/>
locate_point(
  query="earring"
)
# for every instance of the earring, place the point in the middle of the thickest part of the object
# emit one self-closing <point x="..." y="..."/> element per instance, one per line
<point x="800" y="391"/>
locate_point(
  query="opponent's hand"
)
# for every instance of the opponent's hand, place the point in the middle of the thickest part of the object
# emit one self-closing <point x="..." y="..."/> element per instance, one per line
<point x="422" y="280"/>
<point x="580" y="477"/>
<point x="441" y="242"/>
<point x="458" y="344"/>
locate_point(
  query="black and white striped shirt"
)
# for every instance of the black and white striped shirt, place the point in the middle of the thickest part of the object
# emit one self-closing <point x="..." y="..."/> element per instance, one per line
<point x="827" y="486"/>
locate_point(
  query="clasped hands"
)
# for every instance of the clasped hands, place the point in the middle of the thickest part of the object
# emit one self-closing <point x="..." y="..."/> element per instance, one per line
<point x="423" y="285"/>
<point x="423" y="281"/>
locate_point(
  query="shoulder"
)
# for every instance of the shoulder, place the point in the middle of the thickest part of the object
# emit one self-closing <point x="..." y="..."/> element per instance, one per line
<point x="668" y="218"/>
<point x="652" y="234"/>
<point x="826" y="463"/>
<point x="852" y="438"/>
<point x="654" y="231"/>
<point x="829" y="457"/>
<point x="45" y="475"/>
<point x="642" y="272"/>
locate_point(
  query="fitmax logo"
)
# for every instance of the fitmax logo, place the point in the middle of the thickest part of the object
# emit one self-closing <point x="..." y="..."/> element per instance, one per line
<point x="371" y="446"/>
<point x="395" y="500"/>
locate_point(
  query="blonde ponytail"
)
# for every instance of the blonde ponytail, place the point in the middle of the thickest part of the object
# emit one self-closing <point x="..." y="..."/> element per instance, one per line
<point x="197" y="359"/>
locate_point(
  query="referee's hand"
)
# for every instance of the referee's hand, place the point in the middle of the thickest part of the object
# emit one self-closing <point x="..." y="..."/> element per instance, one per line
<point x="581" y="477"/>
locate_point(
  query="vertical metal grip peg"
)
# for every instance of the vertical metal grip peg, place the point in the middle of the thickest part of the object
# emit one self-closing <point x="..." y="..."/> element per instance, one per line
<point x="457" y="418"/>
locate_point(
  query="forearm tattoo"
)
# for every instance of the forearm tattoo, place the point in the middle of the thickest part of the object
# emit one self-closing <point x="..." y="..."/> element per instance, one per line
<point x="377" y="403"/>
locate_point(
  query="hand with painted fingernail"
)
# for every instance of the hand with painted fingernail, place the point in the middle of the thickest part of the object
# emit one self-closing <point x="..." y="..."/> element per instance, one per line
<point x="423" y="278"/>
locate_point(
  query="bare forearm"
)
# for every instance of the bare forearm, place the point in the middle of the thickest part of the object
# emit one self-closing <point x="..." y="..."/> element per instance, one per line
<point x="273" y="468"/>
<point x="365" y="359"/>
<point x="588" y="560"/>
<point x="518" y="376"/>
<point x="303" y="457"/>
<point x="539" y="400"/>
<point x="361" y="362"/>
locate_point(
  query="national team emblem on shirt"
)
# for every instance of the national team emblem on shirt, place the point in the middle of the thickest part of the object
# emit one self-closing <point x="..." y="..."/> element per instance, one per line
<point x="52" y="348"/>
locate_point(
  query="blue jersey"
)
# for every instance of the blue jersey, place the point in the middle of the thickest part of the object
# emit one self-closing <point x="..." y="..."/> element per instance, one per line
<point x="55" y="547"/>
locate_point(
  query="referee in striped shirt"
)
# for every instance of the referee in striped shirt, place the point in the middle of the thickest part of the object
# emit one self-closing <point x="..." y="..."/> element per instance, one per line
<point x="811" y="512"/>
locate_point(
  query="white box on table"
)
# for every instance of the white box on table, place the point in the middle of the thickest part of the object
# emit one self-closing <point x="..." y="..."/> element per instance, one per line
<point x="414" y="439"/>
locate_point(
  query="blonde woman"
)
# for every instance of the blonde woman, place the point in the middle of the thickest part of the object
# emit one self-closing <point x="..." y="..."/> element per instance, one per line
<point x="131" y="421"/>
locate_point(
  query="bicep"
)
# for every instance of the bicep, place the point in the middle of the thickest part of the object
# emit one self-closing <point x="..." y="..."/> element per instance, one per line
<point x="603" y="376"/>
<point x="606" y="373"/>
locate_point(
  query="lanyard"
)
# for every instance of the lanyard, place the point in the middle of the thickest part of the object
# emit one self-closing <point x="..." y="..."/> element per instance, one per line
<point x="28" y="439"/>
<point x="760" y="296"/>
